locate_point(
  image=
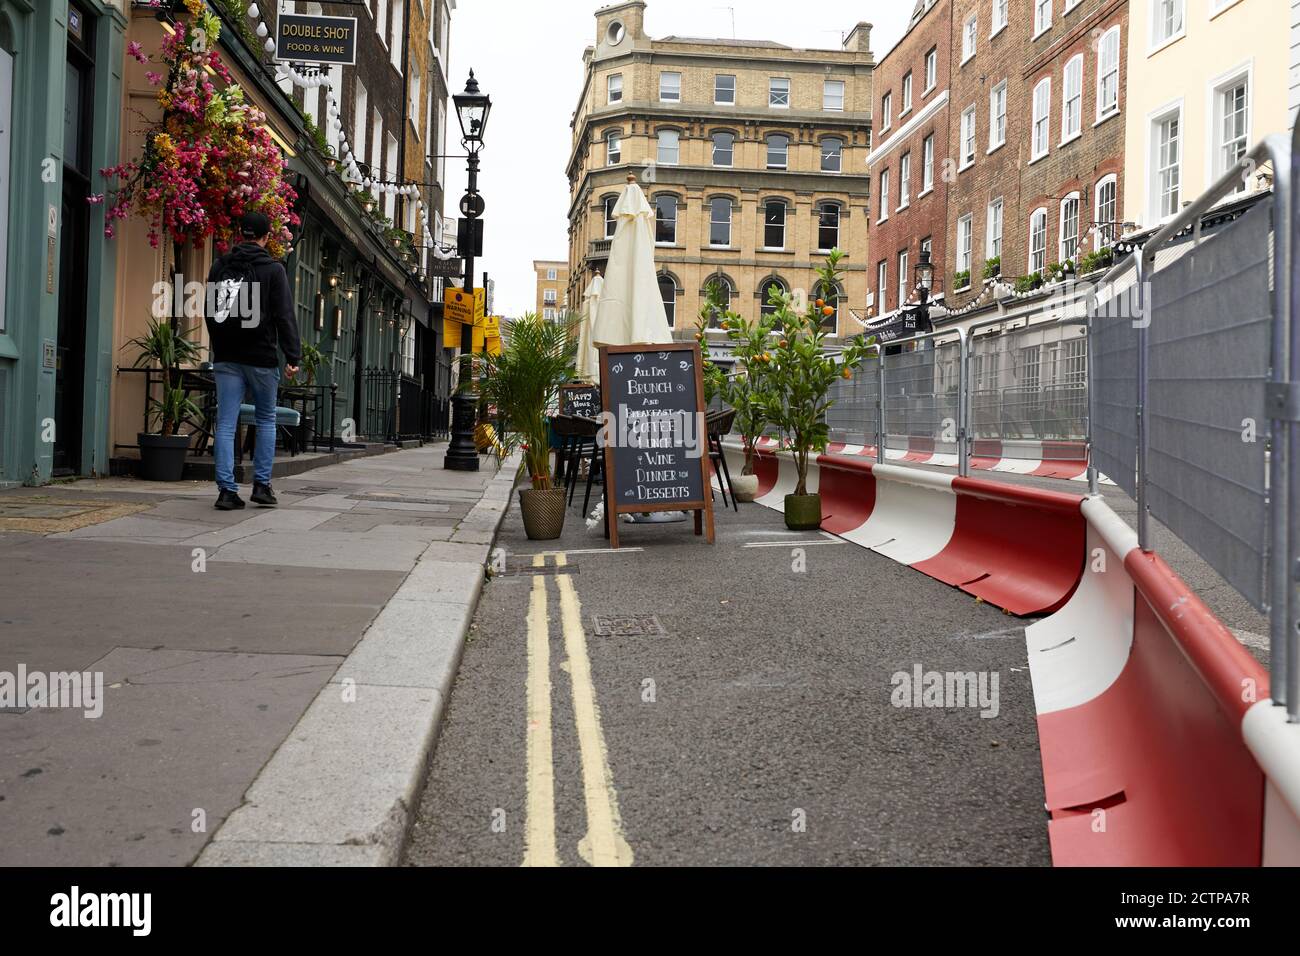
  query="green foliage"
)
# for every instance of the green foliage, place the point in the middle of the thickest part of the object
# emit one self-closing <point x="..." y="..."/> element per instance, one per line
<point x="523" y="383"/>
<point x="801" y="373"/>
<point x="748" y="388"/>
<point x="961" y="280"/>
<point x="1029" y="283"/>
<point x="311" y="363"/>
<point x="167" y="347"/>
<point x="993" y="267"/>
<point x="317" y="136"/>
<point x="1103" y="258"/>
<point x="236" y="12"/>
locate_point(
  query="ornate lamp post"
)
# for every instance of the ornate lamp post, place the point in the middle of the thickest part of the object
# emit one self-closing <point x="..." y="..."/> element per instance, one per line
<point x="472" y="109"/>
<point x="924" y="283"/>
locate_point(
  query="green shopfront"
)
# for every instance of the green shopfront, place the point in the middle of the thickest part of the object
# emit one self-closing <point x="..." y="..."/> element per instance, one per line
<point x="60" y="95"/>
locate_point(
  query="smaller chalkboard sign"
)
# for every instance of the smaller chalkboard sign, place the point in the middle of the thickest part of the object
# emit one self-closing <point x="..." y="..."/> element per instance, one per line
<point x="657" y="452"/>
<point x="580" y="400"/>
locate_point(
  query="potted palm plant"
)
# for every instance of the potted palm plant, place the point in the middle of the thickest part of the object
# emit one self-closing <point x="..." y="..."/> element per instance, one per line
<point x="162" y="453"/>
<point x="522" y="384"/>
<point x="745" y="389"/>
<point x="801" y="372"/>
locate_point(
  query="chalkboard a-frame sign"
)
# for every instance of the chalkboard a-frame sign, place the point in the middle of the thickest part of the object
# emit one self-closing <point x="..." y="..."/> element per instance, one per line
<point x="655" y="397"/>
<point x="580" y="400"/>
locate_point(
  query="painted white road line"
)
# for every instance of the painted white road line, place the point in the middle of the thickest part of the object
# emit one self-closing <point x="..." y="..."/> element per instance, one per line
<point x="553" y="554"/>
<point x="604" y="844"/>
<point x="539" y="832"/>
<point x="806" y="543"/>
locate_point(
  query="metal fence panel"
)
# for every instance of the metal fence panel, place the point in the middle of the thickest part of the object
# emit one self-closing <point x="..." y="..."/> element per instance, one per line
<point x="1210" y="358"/>
<point x="854" y="418"/>
<point x="1113" y="338"/>
<point x="922" y="395"/>
<point x="1030" y="385"/>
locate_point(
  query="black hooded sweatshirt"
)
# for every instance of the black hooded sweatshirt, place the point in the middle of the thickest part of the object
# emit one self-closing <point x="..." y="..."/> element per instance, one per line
<point x="248" y="342"/>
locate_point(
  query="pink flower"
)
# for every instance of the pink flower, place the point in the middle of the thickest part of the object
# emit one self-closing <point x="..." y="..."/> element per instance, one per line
<point x="96" y="199"/>
<point x="153" y="78"/>
<point x="136" y="52"/>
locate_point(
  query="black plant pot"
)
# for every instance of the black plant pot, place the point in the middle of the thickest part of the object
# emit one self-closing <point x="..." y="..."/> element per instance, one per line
<point x="306" y="432"/>
<point x="162" y="457"/>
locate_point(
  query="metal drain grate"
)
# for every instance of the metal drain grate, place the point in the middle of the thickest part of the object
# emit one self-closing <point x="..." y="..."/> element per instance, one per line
<point x="627" y="626"/>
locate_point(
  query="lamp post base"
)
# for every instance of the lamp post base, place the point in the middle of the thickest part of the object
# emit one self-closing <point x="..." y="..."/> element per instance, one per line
<point x="462" y="454"/>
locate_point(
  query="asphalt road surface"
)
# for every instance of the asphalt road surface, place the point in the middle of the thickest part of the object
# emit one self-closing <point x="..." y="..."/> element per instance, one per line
<point x="676" y="703"/>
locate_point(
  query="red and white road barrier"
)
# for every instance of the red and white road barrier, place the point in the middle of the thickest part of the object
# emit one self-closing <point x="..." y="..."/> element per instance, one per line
<point x="1065" y="460"/>
<point x="1017" y="548"/>
<point x="1159" y="745"/>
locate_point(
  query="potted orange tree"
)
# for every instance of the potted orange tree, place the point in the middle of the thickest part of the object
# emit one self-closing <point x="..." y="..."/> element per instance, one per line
<point x="801" y="372"/>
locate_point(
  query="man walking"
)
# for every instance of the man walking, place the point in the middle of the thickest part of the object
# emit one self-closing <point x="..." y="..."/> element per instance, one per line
<point x="250" y="312"/>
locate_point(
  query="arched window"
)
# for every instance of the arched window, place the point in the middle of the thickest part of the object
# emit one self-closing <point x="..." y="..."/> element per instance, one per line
<point x="666" y="220"/>
<point x="613" y="148"/>
<point x="828" y="226"/>
<point x="1104" y="214"/>
<point x="668" y="292"/>
<point x="1037" y="241"/>
<point x="669" y="148"/>
<point x="720" y="221"/>
<point x="611" y="221"/>
<point x="830" y="296"/>
<point x="778" y="151"/>
<point x="1069" y="245"/>
<point x="832" y="155"/>
<point x="766" y="308"/>
<point x="724" y="148"/>
<point x="725" y="290"/>
<point x="774" y="224"/>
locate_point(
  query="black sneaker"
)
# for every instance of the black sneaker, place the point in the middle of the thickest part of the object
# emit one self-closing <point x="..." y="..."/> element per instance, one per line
<point x="264" y="496"/>
<point x="229" y="501"/>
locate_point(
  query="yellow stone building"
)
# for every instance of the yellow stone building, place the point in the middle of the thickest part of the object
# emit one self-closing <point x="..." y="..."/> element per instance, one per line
<point x="754" y="155"/>
<point x="553" y="288"/>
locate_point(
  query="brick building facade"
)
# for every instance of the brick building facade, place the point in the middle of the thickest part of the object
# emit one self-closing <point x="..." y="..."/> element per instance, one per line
<point x="751" y="152"/>
<point x="907" y="161"/>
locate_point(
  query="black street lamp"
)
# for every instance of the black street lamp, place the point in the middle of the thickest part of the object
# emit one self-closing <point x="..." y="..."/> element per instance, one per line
<point x="924" y="283"/>
<point x="472" y="109"/>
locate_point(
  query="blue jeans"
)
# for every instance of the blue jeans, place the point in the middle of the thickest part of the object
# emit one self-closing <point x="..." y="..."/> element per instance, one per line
<point x="232" y="381"/>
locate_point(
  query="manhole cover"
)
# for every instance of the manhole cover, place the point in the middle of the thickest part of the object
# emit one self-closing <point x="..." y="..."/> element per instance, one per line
<point x="627" y="626"/>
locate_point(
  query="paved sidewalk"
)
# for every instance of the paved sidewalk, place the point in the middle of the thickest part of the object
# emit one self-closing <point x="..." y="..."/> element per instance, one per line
<point x="232" y="651"/>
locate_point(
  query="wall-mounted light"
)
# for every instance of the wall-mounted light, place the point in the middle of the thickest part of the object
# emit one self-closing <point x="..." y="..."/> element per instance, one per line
<point x="318" y="313"/>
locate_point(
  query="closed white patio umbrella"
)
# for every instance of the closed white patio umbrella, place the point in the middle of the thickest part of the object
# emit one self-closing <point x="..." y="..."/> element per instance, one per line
<point x="630" y="310"/>
<point x="588" y="366"/>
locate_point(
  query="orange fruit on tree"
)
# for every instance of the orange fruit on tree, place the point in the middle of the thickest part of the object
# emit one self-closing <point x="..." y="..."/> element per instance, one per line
<point x="828" y="311"/>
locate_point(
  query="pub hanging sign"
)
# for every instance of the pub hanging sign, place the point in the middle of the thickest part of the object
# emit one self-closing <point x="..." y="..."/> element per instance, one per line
<point x="305" y="38"/>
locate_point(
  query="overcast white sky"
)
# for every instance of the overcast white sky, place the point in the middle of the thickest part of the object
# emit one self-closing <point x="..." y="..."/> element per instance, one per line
<point x="527" y="55"/>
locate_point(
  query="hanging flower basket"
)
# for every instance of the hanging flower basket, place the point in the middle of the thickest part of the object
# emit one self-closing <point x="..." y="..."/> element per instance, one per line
<point x="210" y="159"/>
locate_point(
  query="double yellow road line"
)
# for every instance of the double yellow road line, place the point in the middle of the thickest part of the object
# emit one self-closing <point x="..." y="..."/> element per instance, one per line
<point x="604" y="844"/>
